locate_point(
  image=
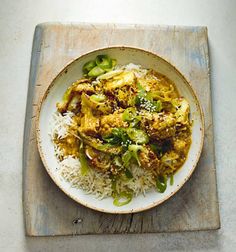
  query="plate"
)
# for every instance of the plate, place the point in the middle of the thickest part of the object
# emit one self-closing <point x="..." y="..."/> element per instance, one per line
<point x="71" y="73"/>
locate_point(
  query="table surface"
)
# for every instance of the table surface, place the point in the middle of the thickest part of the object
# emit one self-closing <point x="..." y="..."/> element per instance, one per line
<point x="17" y="23"/>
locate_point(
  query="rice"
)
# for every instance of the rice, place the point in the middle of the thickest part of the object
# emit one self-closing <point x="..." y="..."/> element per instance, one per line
<point x="137" y="69"/>
<point x="59" y="124"/>
<point x="100" y="184"/>
<point x="94" y="182"/>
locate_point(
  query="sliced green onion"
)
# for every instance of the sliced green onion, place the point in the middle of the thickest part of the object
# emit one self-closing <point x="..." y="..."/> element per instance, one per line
<point x="98" y="97"/>
<point x="83" y="161"/>
<point x="158" y="105"/>
<point x="134" y="149"/>
<point x="108" y="148"/>
<point x="129" y="114"/>
<point x="128" y="174"/>
<point x="140" y="88"/>
<point x="117" y="161"/>
<point x="126" y="158"/>
<point x="161" y="184"/>
<point x="171" y="179"/>
<point x="135" y="122"/>
<point x="122" y="199"/>
<point x="89" y="66"/>
<point x="110" y="74"/>
<point x="145" y="99"/>
<point x="117" y="136"/>
<point x="96" y="71"/>
<point x="103" y="61"/>
<point x="138" y="136"/>
<point x="113" y="185"/>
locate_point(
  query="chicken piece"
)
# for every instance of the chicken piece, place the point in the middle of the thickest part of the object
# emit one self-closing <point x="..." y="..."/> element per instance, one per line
<point x="118" y="81"/>
<point x="149" y="160"/>
<point x="73" y="93"/>
<point x="68" y="146"/>
<point x="180" y="145"/>
<point x="85" y="87"/>
<point x="114" y="120"/>
<point x="74" y="104"/>
<point x="89" y="124"/>
<point x="126" y="96"/>
<point x="149" y="83"/>
<point x="182" y="112"/>
<point x="170" y="159"/>
<point x="102" y="107"/>
<point x="159" y="125"/>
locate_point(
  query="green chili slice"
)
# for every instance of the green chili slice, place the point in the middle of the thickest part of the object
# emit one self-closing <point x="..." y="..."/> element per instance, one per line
<point x="135" y="122"/>
<point x="161" y="183"/>
<point x="117" y="161"/>
<point x="104" y="62"/>
<point x="117" y="136"/>
<point x="129" y="114"/>
<point x="157" y="105"/>
<point x="96" y="71"/>
<point x="145" y="100"/>
<point x="83" y="161"/>
<point x="122" y="199"/>
<point x="89" y="66"/>
<point x="171" y="179"/>
<point x="138" y="136"/>
<point x="98" y="97"/>
<point x="128" y="174"/>
<point x="134" y="149"/>
<point x="126" y="158"/>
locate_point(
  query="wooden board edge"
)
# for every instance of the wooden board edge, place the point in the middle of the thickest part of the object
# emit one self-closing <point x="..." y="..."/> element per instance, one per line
<point x="213" y="229"/>
<point x="35" y="56"/>
<point x="94" y="25"/>
<point x="210" y="81"/>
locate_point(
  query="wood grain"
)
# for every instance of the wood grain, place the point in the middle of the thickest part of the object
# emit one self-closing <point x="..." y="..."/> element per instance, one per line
<point x="47" y="210"/>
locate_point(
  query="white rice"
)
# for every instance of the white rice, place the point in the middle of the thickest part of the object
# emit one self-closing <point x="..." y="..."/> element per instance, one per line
<point x="93" y="182"/>
<point x="137" y="69"/>
<point x="59" y="124"/>
<point x="100" y="184"/>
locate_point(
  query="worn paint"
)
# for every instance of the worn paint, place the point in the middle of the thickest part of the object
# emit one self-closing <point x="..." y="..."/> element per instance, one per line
<point x="198" y="59"/>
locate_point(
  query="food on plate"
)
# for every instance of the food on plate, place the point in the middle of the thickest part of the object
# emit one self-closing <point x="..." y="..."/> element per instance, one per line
<point x="121" y="130"/>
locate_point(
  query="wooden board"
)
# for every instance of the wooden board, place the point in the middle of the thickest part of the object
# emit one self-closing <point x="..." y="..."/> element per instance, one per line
<point x="47" y="210"/>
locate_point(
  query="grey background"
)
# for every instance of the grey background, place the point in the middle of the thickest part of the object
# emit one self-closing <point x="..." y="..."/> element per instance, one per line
<point x="17" y="23"/>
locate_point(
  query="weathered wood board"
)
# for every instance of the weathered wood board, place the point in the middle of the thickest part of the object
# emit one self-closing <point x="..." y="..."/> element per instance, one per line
<point x="48" y="211"/>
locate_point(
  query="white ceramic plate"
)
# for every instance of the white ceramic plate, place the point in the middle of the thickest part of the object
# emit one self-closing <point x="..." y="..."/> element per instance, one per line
<point x="71" y="73"/>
